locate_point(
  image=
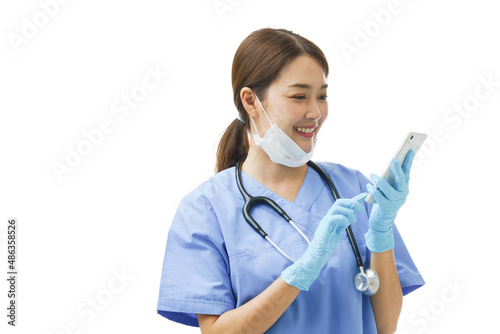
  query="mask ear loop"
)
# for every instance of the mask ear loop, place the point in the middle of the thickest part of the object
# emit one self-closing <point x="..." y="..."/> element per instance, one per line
<point x="265" y="113"/>
<point x="258" y="134"/>
<point x="251" y="118"/>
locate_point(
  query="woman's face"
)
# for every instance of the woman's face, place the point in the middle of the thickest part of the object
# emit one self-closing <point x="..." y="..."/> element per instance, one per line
<point x="296" y="101"/>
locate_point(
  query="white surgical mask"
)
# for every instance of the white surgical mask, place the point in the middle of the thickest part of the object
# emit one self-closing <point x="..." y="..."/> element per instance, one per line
<point x="280" y="148"/>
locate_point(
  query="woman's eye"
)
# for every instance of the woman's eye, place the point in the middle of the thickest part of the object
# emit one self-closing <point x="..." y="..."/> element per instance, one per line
<point x="302" y="97"/>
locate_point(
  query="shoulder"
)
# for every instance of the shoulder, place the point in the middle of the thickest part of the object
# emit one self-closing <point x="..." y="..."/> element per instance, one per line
<point x="334" y="167"/>
<point x="348" y="181"/>
<point x="339" y="171"/>
<point x="212" y="190"/>
<point x="198" y="212"/>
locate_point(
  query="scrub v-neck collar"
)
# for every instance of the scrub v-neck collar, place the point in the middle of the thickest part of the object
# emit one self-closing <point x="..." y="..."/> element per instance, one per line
<point x="311" y="187"/>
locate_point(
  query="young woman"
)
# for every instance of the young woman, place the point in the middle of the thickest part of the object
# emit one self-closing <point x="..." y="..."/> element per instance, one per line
<point x="220" y="275"/>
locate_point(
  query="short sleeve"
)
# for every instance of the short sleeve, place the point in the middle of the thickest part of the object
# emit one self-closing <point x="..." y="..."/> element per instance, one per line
<point x="195" y="274"/>
<point x="409" y="276"/>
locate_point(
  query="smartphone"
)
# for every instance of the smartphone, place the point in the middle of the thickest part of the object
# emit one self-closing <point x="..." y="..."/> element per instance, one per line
<point x="413" y="141"/>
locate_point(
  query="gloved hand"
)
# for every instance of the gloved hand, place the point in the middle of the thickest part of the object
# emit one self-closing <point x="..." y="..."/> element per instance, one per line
<point x="306" y="269"/>
<point x="389" y="200"/>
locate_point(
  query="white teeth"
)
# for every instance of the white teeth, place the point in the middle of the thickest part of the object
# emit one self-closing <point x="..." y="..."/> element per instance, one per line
<point x="305" y="130"/>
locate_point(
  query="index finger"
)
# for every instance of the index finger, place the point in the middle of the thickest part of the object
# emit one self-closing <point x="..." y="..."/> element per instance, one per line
<point x="360" y="198"/>
<point x="358" y="201"/>
<point x="351" y="203"/>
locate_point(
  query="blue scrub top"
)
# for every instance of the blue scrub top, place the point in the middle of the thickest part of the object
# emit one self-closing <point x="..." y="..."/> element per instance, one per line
<point x="214" y="261"/>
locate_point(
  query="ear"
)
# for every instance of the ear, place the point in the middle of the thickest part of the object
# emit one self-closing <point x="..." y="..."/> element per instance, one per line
<point x="249" y="102"/>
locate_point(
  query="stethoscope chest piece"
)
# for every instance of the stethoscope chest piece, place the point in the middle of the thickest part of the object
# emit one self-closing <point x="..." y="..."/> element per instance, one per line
<point x="367" y="282"/>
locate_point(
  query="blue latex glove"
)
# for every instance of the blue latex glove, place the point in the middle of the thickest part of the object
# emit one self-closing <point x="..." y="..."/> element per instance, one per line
<point x="306" y="269"/>
<point x="389" y="200"/>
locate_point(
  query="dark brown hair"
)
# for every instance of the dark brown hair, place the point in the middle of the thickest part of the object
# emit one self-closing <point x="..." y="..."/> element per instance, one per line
<point x="259" y="60"/>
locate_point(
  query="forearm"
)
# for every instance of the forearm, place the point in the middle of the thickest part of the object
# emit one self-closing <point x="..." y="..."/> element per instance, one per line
<point x="388" y="301"/>
<point x="258" y="314"/>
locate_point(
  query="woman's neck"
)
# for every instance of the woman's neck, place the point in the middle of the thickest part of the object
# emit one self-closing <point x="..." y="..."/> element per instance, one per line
<point x="282" y="180"/>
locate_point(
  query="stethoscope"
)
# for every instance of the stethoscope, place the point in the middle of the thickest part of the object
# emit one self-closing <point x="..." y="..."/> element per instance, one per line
<point x="367" y="281"/>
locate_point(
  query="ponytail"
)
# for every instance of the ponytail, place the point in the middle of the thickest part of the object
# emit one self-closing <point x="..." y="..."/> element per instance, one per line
<point x="232" y="146"/>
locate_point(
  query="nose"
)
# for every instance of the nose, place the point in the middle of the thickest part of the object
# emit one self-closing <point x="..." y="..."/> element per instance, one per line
<point x="313" y="111"/>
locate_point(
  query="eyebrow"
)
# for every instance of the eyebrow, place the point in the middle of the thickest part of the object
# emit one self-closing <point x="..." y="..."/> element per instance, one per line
<point x="299" y="85"/>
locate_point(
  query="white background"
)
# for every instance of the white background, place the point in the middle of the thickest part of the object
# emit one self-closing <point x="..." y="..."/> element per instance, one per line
<point x="112" y="212"/>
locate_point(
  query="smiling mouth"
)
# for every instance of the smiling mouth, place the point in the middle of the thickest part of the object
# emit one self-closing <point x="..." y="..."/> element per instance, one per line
<point x="304" y="130"/>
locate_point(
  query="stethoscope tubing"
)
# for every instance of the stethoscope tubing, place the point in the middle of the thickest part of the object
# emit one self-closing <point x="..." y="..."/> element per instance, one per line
<point x="336" y="196"/>
<point x="250" y="201"/>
